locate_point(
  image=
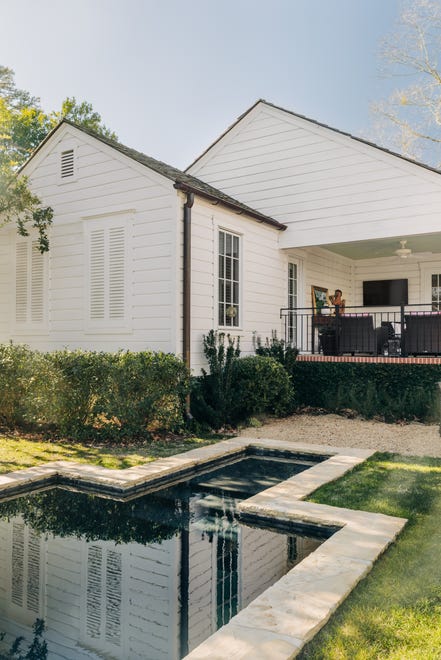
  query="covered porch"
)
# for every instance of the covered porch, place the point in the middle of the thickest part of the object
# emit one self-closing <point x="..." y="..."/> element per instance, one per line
<point x="391" y="288"/>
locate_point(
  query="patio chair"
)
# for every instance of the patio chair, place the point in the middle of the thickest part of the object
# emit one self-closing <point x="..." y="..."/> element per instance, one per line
<point x="422" y="334"/>
<point x="356" y="334"/>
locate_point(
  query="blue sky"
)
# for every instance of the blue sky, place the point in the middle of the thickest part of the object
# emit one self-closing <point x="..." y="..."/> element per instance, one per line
<point x="169" y="76"/>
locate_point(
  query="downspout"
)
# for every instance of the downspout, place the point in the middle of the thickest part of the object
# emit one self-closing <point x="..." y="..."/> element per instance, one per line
<point x="186" y="321"/>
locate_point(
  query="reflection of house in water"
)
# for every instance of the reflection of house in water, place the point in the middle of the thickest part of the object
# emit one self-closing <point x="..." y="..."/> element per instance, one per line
<point x="132" y="600"/>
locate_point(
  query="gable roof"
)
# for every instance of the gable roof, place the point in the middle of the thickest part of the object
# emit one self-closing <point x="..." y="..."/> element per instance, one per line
<point x="316" y="123"/>
<point x="182" y="180"/>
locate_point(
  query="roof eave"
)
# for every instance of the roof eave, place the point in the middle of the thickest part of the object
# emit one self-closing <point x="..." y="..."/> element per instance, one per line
<point x="185" y="187"/>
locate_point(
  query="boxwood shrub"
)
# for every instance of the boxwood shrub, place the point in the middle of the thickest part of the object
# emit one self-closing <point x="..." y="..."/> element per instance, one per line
<point x="390" y="391"/>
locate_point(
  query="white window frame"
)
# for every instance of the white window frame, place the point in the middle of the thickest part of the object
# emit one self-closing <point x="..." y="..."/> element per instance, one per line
<point x="426" y="271"/>
<point x="107" y="325"/>
<point x="28" y="324"/>
<point x="239" y="326"/>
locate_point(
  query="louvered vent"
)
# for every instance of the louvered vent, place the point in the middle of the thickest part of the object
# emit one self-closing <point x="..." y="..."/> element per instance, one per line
<point x="67" y="163"/>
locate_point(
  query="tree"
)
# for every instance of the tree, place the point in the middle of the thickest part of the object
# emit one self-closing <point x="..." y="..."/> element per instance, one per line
<point x="409" y="121"/>
<point x="23" y="125"/>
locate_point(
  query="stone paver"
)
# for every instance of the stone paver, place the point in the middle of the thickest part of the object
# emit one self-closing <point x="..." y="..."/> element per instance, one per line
<point x="277" y="624"/>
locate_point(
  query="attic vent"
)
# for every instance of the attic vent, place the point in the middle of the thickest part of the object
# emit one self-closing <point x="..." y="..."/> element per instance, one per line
<point x="67" y="163"/>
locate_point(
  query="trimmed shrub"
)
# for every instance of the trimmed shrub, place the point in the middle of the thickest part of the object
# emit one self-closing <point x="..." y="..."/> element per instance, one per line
<point x="88" y="394"/>
<point x="261" y="385"/>
<point x="277" y="349"/>
<point x="28" y="385"/>
<point x="212" y="394"/>
<point x="391" y="391"/>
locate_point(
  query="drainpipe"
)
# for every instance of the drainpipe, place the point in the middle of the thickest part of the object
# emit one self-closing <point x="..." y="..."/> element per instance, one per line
<point x="186" y="329"/>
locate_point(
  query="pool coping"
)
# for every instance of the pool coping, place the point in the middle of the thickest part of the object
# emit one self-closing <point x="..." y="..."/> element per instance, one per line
<point x="279" y="622"/>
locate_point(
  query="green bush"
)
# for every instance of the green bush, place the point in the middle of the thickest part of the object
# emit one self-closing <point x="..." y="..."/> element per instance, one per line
<point x="89" y="394"/>
<point x="277" y="349"/>
<point x="28" y="385"/>
<point x="212" y="394"/>
<point x="261" y="385"/>
<point x="390" y="391"/>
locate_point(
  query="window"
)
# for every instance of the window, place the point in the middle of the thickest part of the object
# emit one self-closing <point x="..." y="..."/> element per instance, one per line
<point x="107" y="275"/>
<point x="229" y="307"/>
<point x="292" y="302"/>
<point x="29" y="282"/>
<point x="436" y="291"/>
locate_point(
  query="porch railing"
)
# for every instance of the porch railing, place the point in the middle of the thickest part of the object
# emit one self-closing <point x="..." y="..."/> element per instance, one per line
<point x="395" y="331"/>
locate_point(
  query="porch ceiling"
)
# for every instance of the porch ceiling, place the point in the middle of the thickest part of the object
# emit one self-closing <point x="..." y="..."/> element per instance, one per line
<point x="423" y="244"/>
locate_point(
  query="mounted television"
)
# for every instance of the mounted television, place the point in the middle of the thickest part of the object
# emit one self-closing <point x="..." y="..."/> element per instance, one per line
<point x="381" y="293"/>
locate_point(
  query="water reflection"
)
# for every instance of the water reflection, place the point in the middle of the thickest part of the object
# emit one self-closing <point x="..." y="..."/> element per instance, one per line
<point x="150" y="578"/>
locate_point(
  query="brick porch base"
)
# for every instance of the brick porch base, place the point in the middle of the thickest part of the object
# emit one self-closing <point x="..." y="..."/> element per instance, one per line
<point x="369" y="358"/>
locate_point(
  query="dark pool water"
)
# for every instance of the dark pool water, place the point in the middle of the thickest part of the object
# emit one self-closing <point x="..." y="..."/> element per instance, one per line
<point x="149" y="578"/>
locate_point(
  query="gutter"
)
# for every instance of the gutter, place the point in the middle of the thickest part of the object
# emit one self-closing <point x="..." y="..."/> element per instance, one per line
<point x="186" y="301"/>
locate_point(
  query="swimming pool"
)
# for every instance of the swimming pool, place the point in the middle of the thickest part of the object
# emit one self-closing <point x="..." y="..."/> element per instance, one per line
<point x="150" y="576"/>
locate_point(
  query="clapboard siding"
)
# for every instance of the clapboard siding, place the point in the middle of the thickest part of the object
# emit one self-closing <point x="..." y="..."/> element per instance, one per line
<point x="263" y="276"/>
<point x="326" y="186"/>
<point x="106" y="185"/>
<point x="263" y="561"/>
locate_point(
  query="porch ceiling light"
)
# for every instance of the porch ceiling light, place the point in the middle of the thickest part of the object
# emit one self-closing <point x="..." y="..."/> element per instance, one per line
<point x="403" y="251"/>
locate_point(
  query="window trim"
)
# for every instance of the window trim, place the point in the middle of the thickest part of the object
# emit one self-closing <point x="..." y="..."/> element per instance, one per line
<point x="239" y="326"/>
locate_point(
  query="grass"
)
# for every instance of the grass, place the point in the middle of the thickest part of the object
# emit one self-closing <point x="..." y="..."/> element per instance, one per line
<point x="17" y="453"/>
<point x="395" y="613"/>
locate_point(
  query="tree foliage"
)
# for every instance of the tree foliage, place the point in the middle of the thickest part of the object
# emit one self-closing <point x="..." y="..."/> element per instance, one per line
<point x="23" y="125"/>
<point x="409" y="120"/>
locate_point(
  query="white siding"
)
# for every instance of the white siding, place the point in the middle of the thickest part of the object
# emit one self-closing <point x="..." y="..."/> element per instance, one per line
<point x="264" y="277"/>
<point x="326" y="186"/>
<point x="106" y="185"/>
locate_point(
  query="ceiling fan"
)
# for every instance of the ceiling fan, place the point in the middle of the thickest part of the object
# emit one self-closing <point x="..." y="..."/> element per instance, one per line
<point x="403" y="251"/>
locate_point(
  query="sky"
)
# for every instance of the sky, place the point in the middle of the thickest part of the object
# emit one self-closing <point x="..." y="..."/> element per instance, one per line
<point x="169" y="76"/>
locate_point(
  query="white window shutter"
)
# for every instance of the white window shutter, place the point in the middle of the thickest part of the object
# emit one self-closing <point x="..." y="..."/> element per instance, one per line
<point x="37" y="284"/>
<point x="33" y="582"/>
<point x="113" y="600"/>
<point x="94" y="591"/>
<point x="116" y="272"/>
<point x="17" y="563"/>
<point x="97" y="275"/>
<point x="107" y="279"/>
<point x="21" y="282"/>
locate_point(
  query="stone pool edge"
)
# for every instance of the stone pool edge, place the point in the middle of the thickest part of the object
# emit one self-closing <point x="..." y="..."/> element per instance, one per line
<point x="278" y="623"/>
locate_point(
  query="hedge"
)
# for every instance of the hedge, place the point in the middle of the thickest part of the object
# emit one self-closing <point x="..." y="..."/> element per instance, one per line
<point x="390" y="391"/>
<point x="92" y="394"/>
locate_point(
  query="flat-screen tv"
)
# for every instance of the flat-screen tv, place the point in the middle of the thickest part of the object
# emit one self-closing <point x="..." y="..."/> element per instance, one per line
<point x="380" y="293"/>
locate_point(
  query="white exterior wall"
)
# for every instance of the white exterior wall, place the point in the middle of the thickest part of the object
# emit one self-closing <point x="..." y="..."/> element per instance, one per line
<point x="107" y="187"/>
<point x="263" y="270"/>
<point x="327" y="187"/>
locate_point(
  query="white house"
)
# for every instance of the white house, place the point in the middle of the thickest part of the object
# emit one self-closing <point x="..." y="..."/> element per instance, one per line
<point x="278" y="204"/>
<point x="115" y="275"/>
<point x="347" y="203"/>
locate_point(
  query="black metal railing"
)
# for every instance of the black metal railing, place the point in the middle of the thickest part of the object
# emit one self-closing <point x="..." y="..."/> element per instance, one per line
<point x="395" y="331"/>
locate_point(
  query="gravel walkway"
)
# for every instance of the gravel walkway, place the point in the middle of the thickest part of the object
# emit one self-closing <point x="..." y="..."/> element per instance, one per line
<point x="413" y="439"/>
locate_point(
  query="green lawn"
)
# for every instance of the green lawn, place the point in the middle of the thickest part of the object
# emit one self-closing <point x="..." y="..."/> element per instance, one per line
<point x="17" y="453"/>
<point x="395" y="613"/>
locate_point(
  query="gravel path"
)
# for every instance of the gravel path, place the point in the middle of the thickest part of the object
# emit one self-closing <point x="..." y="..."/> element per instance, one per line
<point x="413" y="439"/>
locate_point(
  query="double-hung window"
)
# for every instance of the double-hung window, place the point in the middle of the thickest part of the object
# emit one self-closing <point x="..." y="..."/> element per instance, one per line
<point x="229" y="279"/>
